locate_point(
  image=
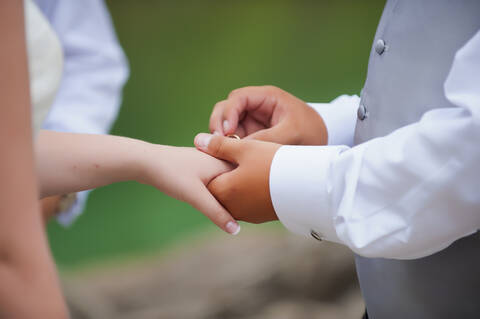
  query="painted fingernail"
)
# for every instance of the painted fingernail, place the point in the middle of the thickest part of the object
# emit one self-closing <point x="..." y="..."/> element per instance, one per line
<point x="203" y="140"/>
<point x="226" y="126"/>
<point x="233" y="228"/>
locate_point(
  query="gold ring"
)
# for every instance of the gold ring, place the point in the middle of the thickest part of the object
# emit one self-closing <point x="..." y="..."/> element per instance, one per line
<point x="235" y="136"/>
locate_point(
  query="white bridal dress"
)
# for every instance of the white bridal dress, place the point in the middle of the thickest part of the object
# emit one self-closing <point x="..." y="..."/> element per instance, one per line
<point x="45" y="62"/>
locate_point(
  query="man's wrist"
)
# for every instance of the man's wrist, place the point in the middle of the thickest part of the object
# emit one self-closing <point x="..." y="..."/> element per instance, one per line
<point x="300" y="192"/>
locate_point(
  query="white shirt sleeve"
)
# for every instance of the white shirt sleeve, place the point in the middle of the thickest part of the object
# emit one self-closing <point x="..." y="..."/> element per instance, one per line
<point x="339" y="117"/>
<point x="95" y="71"/>
<point x="405" y="195"/>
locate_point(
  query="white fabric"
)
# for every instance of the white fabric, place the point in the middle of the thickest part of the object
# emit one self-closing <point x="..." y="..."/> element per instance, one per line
<point x="340" y="117"/>
<point x="95" y="71"/>
<point x="45" y="62"/>
<point x="405" y="195"/>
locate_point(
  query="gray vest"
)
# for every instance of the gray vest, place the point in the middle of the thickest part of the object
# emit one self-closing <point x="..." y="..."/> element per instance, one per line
<point x="413" y="51"/>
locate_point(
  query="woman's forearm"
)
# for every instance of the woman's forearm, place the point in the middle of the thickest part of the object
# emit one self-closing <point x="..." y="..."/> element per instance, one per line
<point x="68" y="162"/>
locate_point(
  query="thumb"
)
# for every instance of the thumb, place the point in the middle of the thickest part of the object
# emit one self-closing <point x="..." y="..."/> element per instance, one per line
<point x="219" y="146"/>
<point x="278" y="134"/>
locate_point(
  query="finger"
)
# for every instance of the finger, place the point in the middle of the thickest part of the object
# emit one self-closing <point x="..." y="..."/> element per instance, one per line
<point x="221" y="147"/>
<point x="259" y="100"/>
<point x="207" y="204"/>
<point x="251" y="126"/>
<point x="232" y="112"/>
<point x="216" y="118"/>
<point x="278" y="134"/>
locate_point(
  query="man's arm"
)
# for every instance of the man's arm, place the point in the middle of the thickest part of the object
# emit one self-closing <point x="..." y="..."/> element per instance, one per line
<point x="95" y="72"/>
<point x="405" y="195"/>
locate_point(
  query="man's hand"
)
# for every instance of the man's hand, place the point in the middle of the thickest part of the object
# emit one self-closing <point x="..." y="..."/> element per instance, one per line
<point x="245" y="191"/>
<point x="269" y="114"/>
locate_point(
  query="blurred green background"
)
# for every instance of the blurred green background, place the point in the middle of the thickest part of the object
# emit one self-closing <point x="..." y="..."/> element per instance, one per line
<point x="186" y="55"/>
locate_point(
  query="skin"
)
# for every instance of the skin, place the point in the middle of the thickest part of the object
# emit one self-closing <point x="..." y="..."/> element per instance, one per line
<point x="264" y="113"/>
<point x="49" y="207"/>
<point x="269" y="114"/>
<point x="29" y="283"/>
<point x="68" y="162"/>
<point x="245" y="190"/>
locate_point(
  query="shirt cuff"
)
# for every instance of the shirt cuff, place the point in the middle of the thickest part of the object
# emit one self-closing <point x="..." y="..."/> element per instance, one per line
<point x="66" y="218"/>
<point x="340" y="117"/>
<point x="300" y="189"/>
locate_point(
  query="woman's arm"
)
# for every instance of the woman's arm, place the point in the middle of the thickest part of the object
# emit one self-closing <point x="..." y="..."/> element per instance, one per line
<point x="68" y="162"/>
<point x="29" y="286"/>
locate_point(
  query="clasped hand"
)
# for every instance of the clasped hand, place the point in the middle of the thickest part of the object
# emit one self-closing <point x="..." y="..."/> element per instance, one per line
<point x="265" y="117"/>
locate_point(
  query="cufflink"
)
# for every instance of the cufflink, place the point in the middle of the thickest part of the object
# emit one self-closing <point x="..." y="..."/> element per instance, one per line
<point x="316" y="235"/>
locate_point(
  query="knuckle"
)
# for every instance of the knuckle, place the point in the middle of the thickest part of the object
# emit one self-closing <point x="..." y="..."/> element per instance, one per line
<point x="272" y="94"/>
<point x="271" y="89"/>
<point x="240" y="91"/>
<point x="234" y="108"/>
<point x="234" y="92"/>
<point x="219" y="106"/>
<point x="230" y="192"/>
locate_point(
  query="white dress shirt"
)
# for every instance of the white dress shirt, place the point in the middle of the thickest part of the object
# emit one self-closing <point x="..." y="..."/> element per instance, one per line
<point x="95" y="70"/>
<point x="405" y="195"/>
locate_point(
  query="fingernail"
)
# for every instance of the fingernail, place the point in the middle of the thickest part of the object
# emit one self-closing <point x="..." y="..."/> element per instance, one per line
<point x="233" y="228"/>
<point x="203" y="140"/>
<point x="216" y="133"/>
<point x="226" y="126"/>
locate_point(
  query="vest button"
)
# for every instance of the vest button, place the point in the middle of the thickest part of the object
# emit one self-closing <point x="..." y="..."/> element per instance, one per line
<point x="380" y="46"/>
<point x="362" y="112"/>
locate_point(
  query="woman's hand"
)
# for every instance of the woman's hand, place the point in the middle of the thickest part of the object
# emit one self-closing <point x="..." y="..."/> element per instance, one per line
<point x="183" y="173"/>
<point x="245" y="191"/>
<point x="269" y="114"/>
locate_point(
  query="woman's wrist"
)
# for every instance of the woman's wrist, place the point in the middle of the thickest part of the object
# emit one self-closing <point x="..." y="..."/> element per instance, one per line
<point x="148" y="162"/>
<point x="135" y="162"/>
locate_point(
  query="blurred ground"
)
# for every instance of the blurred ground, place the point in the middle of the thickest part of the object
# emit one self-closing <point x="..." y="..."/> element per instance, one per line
<point x="258" y="275"/>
